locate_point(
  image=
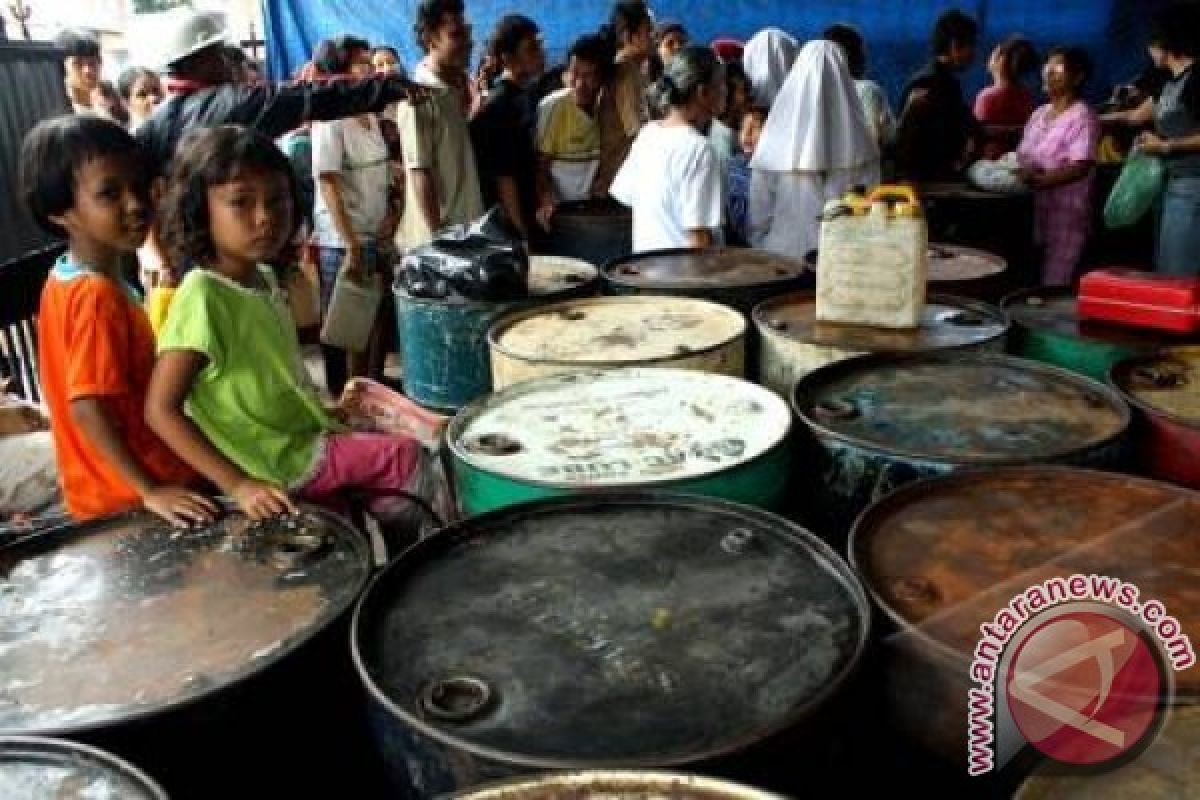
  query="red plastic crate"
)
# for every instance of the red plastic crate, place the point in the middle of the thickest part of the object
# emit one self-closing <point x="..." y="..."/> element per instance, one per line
<point x="1141" y="300"/>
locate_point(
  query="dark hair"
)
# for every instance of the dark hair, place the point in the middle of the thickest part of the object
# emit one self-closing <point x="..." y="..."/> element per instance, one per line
<point x="853" y="47"/>
<point x="510" y="31"/>
<point x="690" y="70"/>
<point x="667" y="28"/>
<point x="129" y="78"/>
<point x="758" y="111"/>
<point x="118" y="111"/>
<point x="386" y="48"/>
<point x="627" y="16"/>
<point x="1076" y="60"/>
<point x="54" y="152"/>
<point x="208" y="158"/>
<point x="1018" y="55"/>
<point x="429" y="16"/>
<point x="596" y="49"/>
<point x="235" y="55"/>
<point x="332" y="56"/>
<point x="1175" y="30"/>
<point x="954" y="27"/>
<point x="77" y="44"/>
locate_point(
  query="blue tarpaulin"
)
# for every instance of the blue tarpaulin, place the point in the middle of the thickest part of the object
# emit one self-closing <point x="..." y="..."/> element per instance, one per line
<point x="897" y="31"/>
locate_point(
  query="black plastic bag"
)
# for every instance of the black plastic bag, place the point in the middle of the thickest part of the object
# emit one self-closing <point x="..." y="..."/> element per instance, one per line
<point x="483" y="262"/>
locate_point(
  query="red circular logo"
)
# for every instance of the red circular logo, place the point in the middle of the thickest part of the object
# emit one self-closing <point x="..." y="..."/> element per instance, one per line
<point x="1084" y="688"/>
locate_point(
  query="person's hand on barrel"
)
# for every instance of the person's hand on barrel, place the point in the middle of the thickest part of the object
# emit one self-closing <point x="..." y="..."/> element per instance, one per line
<point x="260" y="500"/>
<point x="180" y="507"/>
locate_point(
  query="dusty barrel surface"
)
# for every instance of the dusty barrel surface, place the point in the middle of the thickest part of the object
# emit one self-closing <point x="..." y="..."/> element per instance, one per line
<point x="631" y="630"/>
<point x="596" y="231"/>
<point x="36" y="768"/>
<point x="611" y="332"/>
<point x="1165" y="391"/>
<point x="1047" y="328"/>
<point x="139" y="636"/>
<point x="959" y="271"/>
<point x="792" y="343"/>
<point x="627" y="428"/>
<point x="942" y="557"/>
<point x="1169" y="769"/>
<point x="883" y="421"/>
<point x="612" y="784"/>
<point x="444" y="343"/>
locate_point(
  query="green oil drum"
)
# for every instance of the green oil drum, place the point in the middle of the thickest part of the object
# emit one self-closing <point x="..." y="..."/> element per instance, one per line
<point x="1047" y="328"/>
<point x="633" y="428"/>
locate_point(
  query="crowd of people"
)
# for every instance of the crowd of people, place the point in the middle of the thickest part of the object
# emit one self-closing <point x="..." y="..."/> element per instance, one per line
<point x="205" y="174"/>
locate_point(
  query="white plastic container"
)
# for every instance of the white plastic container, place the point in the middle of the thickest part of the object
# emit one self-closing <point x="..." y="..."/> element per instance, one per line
<point x="874" y="262"/>
<point x="351" y="316"/>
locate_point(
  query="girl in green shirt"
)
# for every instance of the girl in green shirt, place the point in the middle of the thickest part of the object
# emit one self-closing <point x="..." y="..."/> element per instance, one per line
<point x="229" y="392"/>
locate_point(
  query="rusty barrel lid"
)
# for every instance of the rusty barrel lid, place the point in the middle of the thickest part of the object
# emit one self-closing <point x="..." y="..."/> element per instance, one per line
<point x="948" y="322"/>
<point x="616" y="785"/>
<point x="621" y="630"/>
<point x="619" y="428"/>
<point x="952" y="263"/>
<point x="600" y="331"/>
<point x="967" y="409"/>
<point x="551" y="275"/>
<point x="164" y="616"/>
<point x="1168" y="770"/>
<point x="1165" y="384"/>
<point x="943" y="556"/>
<point x="718" y="268"/>
<point x="35" y="768"/>
<point x="1055" y="310"/>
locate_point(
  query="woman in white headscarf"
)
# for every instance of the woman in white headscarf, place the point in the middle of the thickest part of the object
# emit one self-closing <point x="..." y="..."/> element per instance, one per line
<point x="767" y="59"/>
<point x="816" y="146"/>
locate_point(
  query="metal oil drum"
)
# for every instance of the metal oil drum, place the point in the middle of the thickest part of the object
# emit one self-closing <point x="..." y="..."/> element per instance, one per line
<point x="960" y="214"/>
<point x="444" y="343"/>
<point x="617" y="631"/>
<point x="673" y="429"/>
<point x="1047" y="327"/>
<point x="959" y="271"/>
<point x="1168" y="769"/>
<point x="736" y="277"/>
<point x="609" y="332"/>
<point x="614" y="785"/>
<point x="792" y="343"/>
<point x="1164" y="390"/>
<point x="882" y="421"/>
<point x="595" y="231"/>
<point x="942" y="557"/>
<point x="175" y="647"/>
<point x="36" y="768"/>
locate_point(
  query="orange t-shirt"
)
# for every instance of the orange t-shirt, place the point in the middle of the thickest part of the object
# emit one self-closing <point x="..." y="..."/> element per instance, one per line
<point x="95" y="341"/>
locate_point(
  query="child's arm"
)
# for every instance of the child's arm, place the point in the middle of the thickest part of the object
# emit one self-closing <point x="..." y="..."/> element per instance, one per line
<point x="176" y="505"/>
<point x="173" y="376"/>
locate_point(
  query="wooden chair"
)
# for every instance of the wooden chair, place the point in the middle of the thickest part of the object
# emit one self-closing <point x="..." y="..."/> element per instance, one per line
<point x="21" y="282"/>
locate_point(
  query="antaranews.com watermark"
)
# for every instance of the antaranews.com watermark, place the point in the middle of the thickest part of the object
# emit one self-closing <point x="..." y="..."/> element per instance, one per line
<point x="1083" y="685"/>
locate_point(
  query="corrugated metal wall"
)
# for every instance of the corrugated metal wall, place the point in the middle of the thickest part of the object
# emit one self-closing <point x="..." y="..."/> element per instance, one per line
<point x="31" y="75"/>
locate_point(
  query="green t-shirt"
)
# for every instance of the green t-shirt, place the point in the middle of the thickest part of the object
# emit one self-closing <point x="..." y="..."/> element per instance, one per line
<point x="253" y="400"/>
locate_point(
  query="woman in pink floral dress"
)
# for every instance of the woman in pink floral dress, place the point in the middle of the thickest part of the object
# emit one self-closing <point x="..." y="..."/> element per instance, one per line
<point x="1057" y="157"/>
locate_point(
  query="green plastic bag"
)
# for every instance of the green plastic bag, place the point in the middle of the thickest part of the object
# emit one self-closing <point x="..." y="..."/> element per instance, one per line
<point x="1137" y="188"/>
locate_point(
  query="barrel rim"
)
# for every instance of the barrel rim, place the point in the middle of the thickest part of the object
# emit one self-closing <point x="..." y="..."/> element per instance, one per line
<point x="1118" y="370"/>
<point x="462" y="531"/>
<point x="869" y="523"/>
<point x="454" y="428"/>
<point x="1101" y="334"/>
<point x="52" y="746"/>
<point x="503" y="325"/>
<point x="992" y="311"/>
<point x="823" y="374"/>
<point x="606" y="273"/>
<point x="285" y="649"/>
<point x="594" y="281"/>
<point x="960" y="249"/>
<point x="655" y="778"/>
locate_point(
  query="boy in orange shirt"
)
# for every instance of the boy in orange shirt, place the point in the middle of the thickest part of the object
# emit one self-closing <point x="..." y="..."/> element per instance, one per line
<point x="82" y="177"/>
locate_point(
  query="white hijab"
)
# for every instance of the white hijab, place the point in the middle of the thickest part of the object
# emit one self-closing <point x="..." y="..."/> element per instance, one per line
<point x="767" y="59"/>
<point x="817" y="123"/>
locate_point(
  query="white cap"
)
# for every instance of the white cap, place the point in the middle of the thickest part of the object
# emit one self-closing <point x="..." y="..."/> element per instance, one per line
<point x="185" y="33"/>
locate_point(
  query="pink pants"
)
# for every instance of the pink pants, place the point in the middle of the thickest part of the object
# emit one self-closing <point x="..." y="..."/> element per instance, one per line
<point x="373" y="466"/>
